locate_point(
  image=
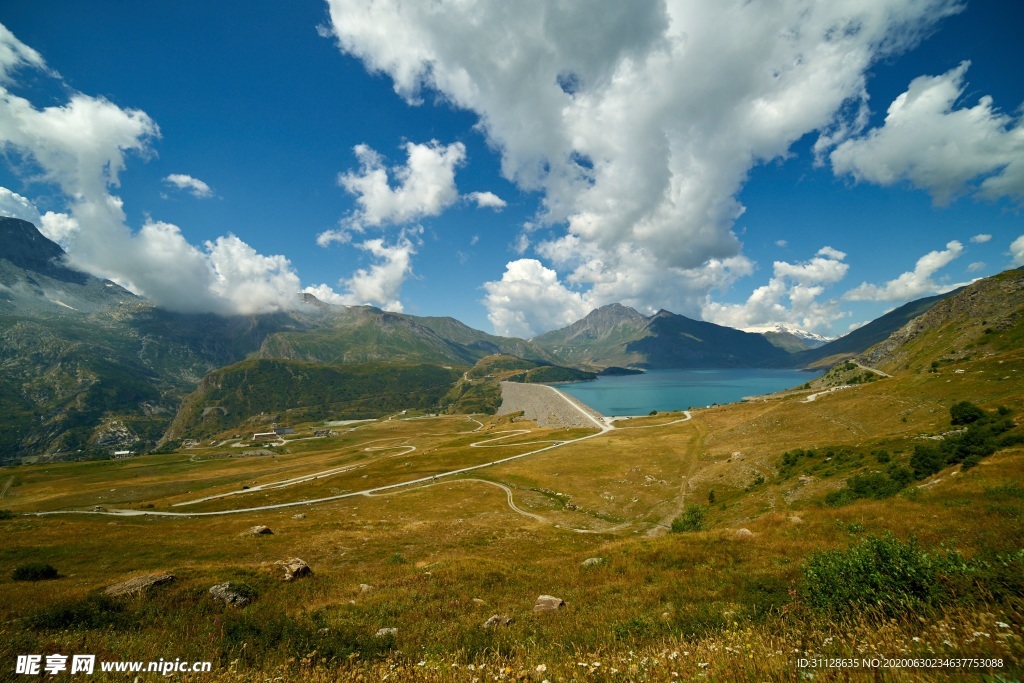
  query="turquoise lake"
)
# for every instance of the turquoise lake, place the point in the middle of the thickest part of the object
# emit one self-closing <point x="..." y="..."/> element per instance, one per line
<point x="681" y="389"/>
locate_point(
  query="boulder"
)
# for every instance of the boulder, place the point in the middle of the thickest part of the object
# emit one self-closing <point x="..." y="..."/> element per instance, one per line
<point x="743" y="534"/>
<point x="138" y="585"/>
<point x="229" y="594"/>
<point x="293" y="568"/>
<point x="301" y="515"/>
<point x="498" y="621"/>
<point x="365" y="588"/>
<point x="385" y="632"/>
<point x="592" y="562"/>
<point x="260" y="530"/>
<point x="548" y="603"/>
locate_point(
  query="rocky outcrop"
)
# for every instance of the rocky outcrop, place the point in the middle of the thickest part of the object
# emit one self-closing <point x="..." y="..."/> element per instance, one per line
<point x="548" y="603"/>
<point x="138" y="585"/>
<point x="230" y="594"/>
<point x="293" y="568"/>
<point x="498" y="621"/>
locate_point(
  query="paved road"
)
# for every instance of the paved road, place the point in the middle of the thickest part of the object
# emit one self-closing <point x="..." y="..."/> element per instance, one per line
<point x="604" y="426"/>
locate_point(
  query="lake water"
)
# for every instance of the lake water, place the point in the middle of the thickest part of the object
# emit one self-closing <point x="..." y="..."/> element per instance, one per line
<point x="681" y="389"/>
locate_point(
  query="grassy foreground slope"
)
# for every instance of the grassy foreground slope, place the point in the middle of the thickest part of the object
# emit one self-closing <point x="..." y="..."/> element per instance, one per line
<point x="745" y="596"/>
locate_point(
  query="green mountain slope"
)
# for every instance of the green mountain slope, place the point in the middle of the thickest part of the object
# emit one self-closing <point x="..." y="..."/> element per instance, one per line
<point x="863" y="337"/>
<point x="617" y="335"/>
<point x="362" y="334"/>
<point x="599" y="340"/>
<point x="291" y="391"/>
<point x="981" y="320"/>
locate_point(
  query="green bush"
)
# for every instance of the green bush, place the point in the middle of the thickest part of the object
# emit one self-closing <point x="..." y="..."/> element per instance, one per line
<point x="91" y="612"/>
<point x="965" y="412"/>
<point x="883" y="573"/>
<point x="893" y="577"/>
<point x="34" y="571"/>
<point x="694" y="518"/>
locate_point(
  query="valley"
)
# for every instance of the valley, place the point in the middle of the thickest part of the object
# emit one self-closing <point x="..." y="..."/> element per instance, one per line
<point x="434" y="481"/>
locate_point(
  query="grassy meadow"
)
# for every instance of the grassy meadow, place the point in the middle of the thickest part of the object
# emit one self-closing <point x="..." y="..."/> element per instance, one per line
<point x="435" y="560"/>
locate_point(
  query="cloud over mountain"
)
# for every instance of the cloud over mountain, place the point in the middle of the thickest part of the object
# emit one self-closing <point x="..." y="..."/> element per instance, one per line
<point x="81" y="147"/>
<point x="638" y="122"/>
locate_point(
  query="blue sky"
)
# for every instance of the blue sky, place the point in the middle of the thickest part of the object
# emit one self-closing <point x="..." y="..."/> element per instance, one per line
<point x="515" y="165"/>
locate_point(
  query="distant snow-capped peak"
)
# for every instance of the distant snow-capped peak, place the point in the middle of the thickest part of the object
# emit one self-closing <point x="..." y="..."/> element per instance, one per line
<point x="795" y="331"/>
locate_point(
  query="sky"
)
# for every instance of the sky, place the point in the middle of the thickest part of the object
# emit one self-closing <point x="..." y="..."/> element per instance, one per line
<point x="516" y="165"/>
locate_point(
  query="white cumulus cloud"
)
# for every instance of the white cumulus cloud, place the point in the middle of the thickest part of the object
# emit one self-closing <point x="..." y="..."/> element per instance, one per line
<point x="637" y="122"/>
<point x="1017" y="251"/>
<point x="529" y="299"/>
<point x="81" y="147"/>
<point x="981" y="238"/>
<point x="425" y="184"/>
<point x="487" y="200"/>
<point x="792" y="296"/>
<point x="13" y="205"/>
<point x="936" y="145"/>
<point x="195" y="186"/>
<point x="912" y="284"/>
<point x="381" y="283"/>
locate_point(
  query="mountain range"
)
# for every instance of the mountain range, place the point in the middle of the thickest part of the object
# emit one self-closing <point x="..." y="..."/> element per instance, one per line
<point x="86" y="365"/>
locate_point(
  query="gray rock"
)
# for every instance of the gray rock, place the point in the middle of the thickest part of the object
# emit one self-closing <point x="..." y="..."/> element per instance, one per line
<point x="260" y="530"/>
<point x="385" y="632"/>
<point x="592" y="562"/>
<point x="743" y="534"/>
<point x="498" y="621"/>
<point x="229" y="595"/>
<point x="796" y="520"/>
<point x="548" y="603"/>
<point x="299" y="516"/>
<point x="293" y="568"/>
<point x="138" y="585"/>
<point x="365" y="588"/>
<point x="478" y="601"/>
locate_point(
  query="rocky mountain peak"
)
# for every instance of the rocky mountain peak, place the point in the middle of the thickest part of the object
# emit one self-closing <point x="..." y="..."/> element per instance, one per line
<point x="24" y="246"/>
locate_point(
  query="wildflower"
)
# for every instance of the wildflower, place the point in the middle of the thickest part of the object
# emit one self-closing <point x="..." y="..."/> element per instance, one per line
<point x="1002" y="624"/>
<point x="541" y="668"/>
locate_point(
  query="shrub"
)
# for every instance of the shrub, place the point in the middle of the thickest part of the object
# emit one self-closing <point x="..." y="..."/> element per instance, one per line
<point x="965" y="412"/>
<point x="34" y="571"/>
<point x="694" y="518"/>
<point x="879" y="572"/>
<point x="91" y="612"/>
<point x="7" y="514"/>
<point x="926" y="461"/>
<point x="895" y="577"/>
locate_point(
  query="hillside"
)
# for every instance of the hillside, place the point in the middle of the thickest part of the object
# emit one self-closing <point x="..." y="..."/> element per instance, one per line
<point x="259" y="392"/>
<point x="617" y="335"/>
<point x="723" y="544"/>
<point x="981" y="320"/>
<point x="863" y="337"/>
<point x="88" y="367"/>
<point x="598" y="340"/>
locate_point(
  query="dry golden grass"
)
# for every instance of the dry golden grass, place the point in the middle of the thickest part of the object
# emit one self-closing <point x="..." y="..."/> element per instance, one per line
<point x="442" y="558"/>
